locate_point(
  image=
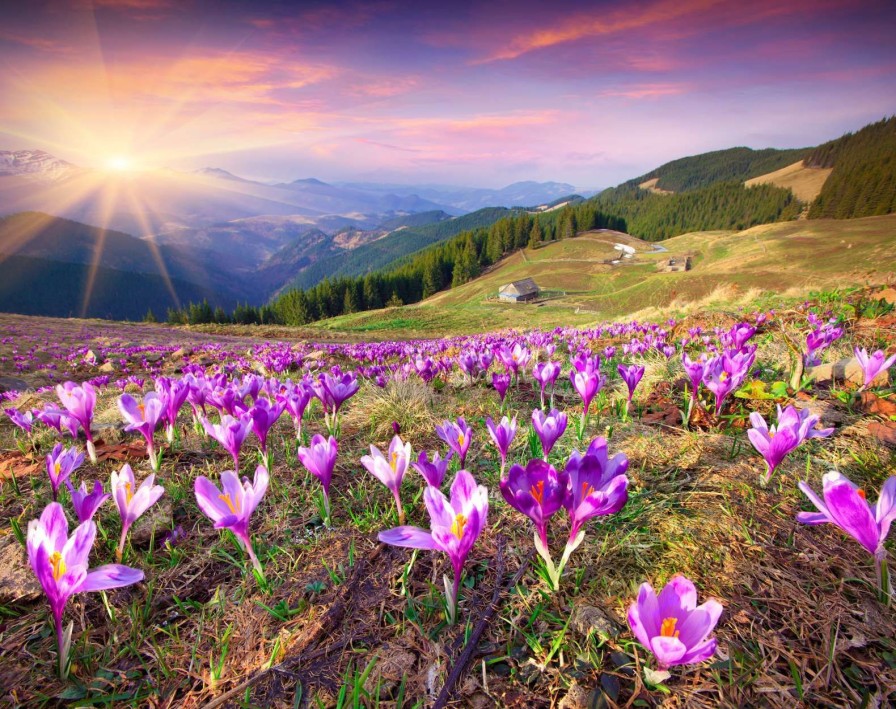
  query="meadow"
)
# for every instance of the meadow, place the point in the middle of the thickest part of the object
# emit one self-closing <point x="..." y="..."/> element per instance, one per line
<point x="337" y="614"/>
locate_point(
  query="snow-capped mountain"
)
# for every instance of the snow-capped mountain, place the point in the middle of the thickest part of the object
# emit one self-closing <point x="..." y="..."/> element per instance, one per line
<point x="36" y="164"/>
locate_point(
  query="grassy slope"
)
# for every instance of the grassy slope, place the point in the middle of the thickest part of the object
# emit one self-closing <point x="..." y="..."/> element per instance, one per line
<point x="789" y="257"/>
<point x="804" y="182"/>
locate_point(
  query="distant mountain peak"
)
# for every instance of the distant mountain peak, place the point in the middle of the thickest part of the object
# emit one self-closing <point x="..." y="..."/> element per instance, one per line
<point x="220" y="173"/>
<point x="37" y="164"/>
<point x="309" y="181"/>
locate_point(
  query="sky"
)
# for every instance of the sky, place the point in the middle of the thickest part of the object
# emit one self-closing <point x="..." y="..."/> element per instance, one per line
<point x="466" y="93"/>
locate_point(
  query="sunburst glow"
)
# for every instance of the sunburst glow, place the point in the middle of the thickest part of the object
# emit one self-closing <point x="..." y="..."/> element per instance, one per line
<point x="120" y="163"/>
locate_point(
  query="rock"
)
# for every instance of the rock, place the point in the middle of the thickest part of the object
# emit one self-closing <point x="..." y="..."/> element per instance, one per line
<point x="91" y="357"/>
<point x="577" y="697"/>
<point x="590" y="619"/>
<point x="17" y="582"/>
<point x="181" y="353"/>
<point x="158" y="519"/>
<point x="13" y="384"/>
<point x="884" y="432"/>
<point x="843" y="371"/>
<point x="316" y="355"/>
<point x="152" y="356"/>
<point x="107" y="367"/>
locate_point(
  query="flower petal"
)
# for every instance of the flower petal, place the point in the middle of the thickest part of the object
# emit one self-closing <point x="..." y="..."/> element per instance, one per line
<point x="407" y="536"/>
<point x="110" y="576"/>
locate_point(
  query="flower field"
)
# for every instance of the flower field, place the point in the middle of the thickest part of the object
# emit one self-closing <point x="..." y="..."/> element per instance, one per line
<point x="687" y="513"/>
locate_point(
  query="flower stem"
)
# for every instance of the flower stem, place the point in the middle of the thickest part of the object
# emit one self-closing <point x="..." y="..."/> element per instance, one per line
<point x="120" y="551"/>
<point x="60" y="644"/>
<point x="883" y="580"/>
<point x="247" y="543"/>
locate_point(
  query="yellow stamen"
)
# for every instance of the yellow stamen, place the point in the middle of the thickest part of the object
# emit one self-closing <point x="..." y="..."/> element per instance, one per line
<point x="142" y="408"/>
<point x="861" y="493"/>
<point x="587" y="489"/>
<point x="723" y="376"/>
<point x="667" y="629"/>
<point x="537" y="491"/>
<point x="394" y="462"/>
<point x="128" y="492"/>
<point x="57" y="468"/>
<point x="58" y="564"/>
<point x="457" y="526"/>
<point x="460" y="440"/>
<point x="233" y="505"/>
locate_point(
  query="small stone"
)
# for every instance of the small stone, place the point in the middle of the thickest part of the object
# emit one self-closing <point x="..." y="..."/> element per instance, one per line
<point x="845" y="370"/>
<point x="590" y="619"/>
<point x="107" y="367"/>
<point x="181" y="353"/>
<point x="888" y="295"/>
<point x="157" y="520"/>
<point x="13" y="384"/>
<point x="576" y="698"/>
<point x="17" y="582"/>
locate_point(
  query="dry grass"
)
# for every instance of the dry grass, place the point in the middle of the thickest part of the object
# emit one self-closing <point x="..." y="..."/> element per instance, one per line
<point x="804" y="182"/>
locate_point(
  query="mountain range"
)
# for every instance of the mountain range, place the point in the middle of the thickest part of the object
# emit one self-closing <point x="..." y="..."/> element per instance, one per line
<point x="214" y="235"/>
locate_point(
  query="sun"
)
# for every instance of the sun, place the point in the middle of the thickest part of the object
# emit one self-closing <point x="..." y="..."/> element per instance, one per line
<point x="119" y="163"/>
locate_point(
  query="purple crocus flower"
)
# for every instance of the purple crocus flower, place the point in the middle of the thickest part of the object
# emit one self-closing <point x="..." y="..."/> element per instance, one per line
<point x="725" y="373"/>
<point x="597" y="486"/>
<point x="695" y="370"/>
<point x="132" y="501"/>
<point x="172" y="393"/>
<point x="433" y="472"/>
<point x="230" y="433"/>
<point x="333" y="392"/>
<point x="143" y="417"/>
<point x="458" y="436"/>
<point x="60" y="565"/>
<point x="263" y="416"/>
<point x="24" y="420"/>
<point x="390" y="471"/>
<point x="501" y="383"/>
<point x="546" y="373"/>
<point x="549" y="428"/>
<point x="672" y="626"/>
<point x="296" y="401"/>
<point x="456" y="525"/>
<point x="86" y="504"/>
<point x="514" y="358"/>
<point x="587" y="382"/>
<point x="502" y="434"/>
<point x="774" y="444"/>
<point x="631" y="374"/>
<point x="232" y="508"/>
<point x="80" y="401"/>
<point x="845" y="506"/>
<point x="56" y="419"/>
<point x="320" y="459"/>
<point x="61" y="463"/>
<point x="873" y="365"/>
<point x="538" y="491"/>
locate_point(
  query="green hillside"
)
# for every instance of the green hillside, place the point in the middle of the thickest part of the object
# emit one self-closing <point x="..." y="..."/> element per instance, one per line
<point x="730" y="268"/>
<point x="381" y="253"/>
<point x="863" y="182"/>
<point x="731" y="165"/>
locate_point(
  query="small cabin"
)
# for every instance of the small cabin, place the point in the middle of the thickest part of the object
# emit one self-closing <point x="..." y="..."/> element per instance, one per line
<point x="674" y="264"/>
<point x="519" y="291"/>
